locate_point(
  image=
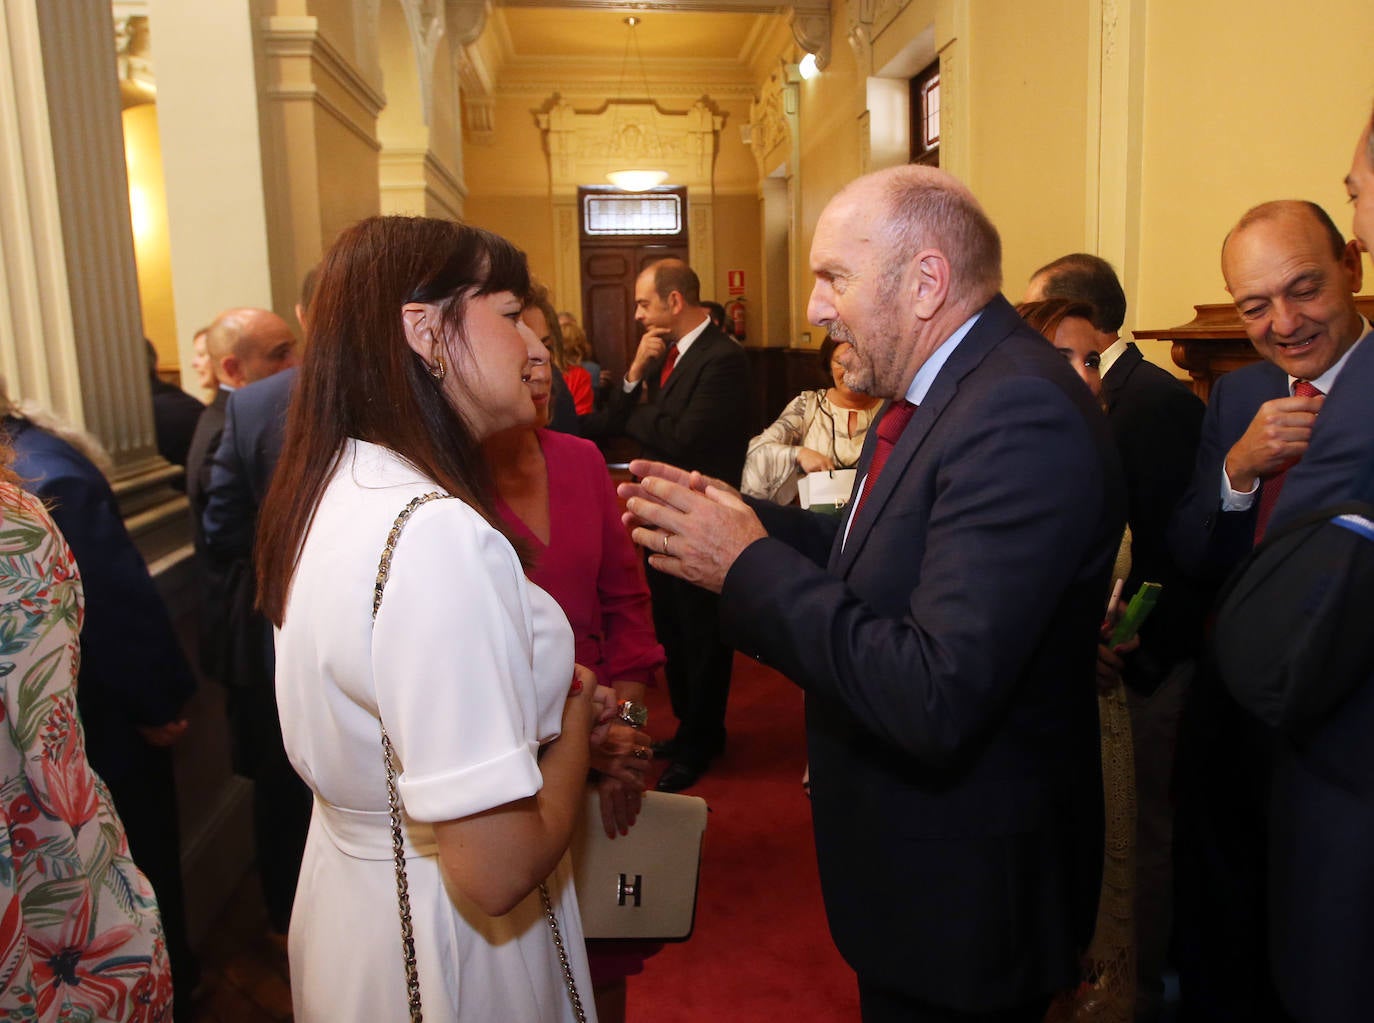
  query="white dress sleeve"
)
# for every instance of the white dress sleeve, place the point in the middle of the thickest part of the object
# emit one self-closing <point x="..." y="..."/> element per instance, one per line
<point x="471" y="666"/>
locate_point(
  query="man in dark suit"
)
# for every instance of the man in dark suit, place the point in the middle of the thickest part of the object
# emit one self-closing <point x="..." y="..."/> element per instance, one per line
<point x="243" y="345"/>
<point x="945" y="631"/>
<point x="1321" y="888"/>
<point x="1293" y="279"/>
<point x="696" y="415"/>
<point x="254" y="426"/>
<point x="174" y="415"/>
<point x="1155" y="421"/>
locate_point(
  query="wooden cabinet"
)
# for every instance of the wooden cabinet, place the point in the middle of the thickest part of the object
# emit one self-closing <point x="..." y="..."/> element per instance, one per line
<point x="1214" y="342"/>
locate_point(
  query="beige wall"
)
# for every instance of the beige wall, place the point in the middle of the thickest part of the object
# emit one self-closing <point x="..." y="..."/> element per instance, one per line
<point x="1229" y="124"/>
<point x="1028" y="149"/>
<point x="1214" y="124"/>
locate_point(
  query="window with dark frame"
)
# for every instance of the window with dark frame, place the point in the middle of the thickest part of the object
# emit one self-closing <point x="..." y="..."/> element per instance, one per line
<point x="925" y="116"/>
<point x="641" y="214"/>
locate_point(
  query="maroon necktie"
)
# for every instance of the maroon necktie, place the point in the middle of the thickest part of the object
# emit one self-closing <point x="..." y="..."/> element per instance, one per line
<point x="669" y="361"/>
<point x="1273" y="486"/>
<point x="889" y="428"/>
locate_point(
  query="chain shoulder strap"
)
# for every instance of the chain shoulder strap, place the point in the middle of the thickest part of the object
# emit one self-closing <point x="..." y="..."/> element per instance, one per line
<point x="393" y="800"/>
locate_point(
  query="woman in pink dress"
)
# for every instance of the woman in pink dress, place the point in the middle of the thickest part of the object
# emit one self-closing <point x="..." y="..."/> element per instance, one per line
<point x="555" y="492"/>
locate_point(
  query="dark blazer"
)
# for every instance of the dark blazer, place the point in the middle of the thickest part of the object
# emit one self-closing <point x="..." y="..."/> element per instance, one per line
<point x="1156" y="421"/>
<point x="1339" y="463"/>
<point x="214" y="639"/>
<point x="200" y="457"/>
<point x="1206" y="541"/>
<point x="1322" y="812"/>
<point x="254" y="427"/>
<point x="699" y="420"/>
<point x="947" y="650"/>
<point x="133" y="671"/>
<point x="175" y="414"/>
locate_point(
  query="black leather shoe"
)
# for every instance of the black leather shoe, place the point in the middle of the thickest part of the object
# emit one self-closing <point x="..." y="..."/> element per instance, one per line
<point x="678" y="776"/>
<point x="664" y="749"/>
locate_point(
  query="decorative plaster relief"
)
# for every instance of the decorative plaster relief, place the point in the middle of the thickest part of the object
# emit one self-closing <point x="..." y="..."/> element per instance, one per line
<point x="134" y="53"/>
<point x="585" y="144"/>
<point x="425" y="20"/>
<point x="772" y="118"/>
<point x="810" y="24"/>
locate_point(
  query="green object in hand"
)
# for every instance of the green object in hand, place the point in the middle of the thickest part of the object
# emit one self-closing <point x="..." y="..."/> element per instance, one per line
<point x="1136" y="612"/>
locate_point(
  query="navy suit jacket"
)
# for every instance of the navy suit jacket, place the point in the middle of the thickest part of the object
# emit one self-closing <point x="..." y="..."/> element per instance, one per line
<point x="700" y="419"/>
<point x="947" y="651"/>
<point x="1322" y="833"/>
<point x="133" y="671"/>
<point x="254" y="427"/>
<point x="1156" y="421"/>
<point x="1206" y="541"/>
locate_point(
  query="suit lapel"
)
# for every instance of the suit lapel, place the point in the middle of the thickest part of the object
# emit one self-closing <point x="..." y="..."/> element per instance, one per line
<point x="996" y="322"/>
<point x="1115" y="380"/>
<point x="688" y="361"/>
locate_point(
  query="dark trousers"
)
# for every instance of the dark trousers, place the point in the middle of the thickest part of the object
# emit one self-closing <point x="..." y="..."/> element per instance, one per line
<point x="145" y="795"/>
<point x="1221" y="854"/>
<point x="281" y="801"/>
<point x="687" y="620"/>
<point x="878" y="1005"/>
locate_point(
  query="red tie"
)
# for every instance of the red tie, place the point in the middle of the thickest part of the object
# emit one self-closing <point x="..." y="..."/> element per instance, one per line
<point x="669" y="361"/>
<point x="889" y="428"/>
<point x="1273" y="486"/>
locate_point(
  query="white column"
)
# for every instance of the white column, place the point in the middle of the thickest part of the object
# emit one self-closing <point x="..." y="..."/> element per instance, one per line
<point x="73" y="336"/>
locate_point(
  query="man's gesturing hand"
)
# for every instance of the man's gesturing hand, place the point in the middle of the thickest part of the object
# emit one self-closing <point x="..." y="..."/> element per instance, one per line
<point x="692" y="528"/>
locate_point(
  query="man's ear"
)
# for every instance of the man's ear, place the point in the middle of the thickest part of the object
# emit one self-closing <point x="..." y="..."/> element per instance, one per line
<point x="928" y="281"/>
<point x="420" y="321"/>
<point x="676" y="303"/>
<point x="230" y="371"/>
<point x="1354" y="265"/>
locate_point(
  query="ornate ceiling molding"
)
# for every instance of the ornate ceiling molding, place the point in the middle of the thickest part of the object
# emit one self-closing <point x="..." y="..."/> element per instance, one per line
<point x="809" y="19"/>
<point x="133" y="52"/>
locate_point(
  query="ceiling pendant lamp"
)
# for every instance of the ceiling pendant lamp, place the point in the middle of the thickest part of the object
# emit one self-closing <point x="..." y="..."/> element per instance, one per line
<point x="634" y="179"/>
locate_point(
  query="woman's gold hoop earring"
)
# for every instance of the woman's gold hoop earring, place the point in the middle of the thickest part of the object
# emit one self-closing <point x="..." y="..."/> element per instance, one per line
<point x="438" y="369"/>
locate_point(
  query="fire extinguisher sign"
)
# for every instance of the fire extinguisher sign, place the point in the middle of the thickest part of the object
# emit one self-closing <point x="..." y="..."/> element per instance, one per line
<point x="735" y="281"/>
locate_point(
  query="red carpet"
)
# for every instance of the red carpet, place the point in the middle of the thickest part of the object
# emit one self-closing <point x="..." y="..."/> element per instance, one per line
<point x="761" y="950"/>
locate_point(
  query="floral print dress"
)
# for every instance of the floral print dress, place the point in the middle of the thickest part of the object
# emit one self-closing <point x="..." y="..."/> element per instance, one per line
<point x="80" y="938"/>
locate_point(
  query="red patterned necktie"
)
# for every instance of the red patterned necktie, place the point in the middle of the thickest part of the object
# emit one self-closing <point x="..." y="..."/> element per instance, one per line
<point x="669" y="361"/>
<point x="1273" y="486"/>
<point x="889" y="428"/>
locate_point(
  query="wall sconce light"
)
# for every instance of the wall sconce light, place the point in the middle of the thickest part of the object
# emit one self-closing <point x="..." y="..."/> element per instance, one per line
<point x="807" y="68"/>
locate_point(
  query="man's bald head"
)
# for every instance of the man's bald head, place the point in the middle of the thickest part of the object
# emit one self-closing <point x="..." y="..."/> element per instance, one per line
<point x="1293" y="279"/>
<point x="247" y="345"/>
<point x="927" y="208"/>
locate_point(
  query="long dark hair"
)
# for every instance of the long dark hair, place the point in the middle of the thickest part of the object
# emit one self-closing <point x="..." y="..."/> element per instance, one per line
<point x="361" y="379"/>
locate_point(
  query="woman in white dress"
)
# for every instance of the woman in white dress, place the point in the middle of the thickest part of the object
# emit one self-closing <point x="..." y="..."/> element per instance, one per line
<point x="416" y="354"/>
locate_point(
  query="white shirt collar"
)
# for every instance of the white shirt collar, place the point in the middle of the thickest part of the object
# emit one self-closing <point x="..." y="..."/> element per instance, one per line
<point x="1327" y="380"/>
<point x="1113" y="351"/>
<point x="930" y="369"/>
<point x="685" y="342"/>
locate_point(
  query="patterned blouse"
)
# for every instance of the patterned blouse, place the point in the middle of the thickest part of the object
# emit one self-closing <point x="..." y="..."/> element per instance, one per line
<point x="80" y="938"/>
<point x="812" y="421"/>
